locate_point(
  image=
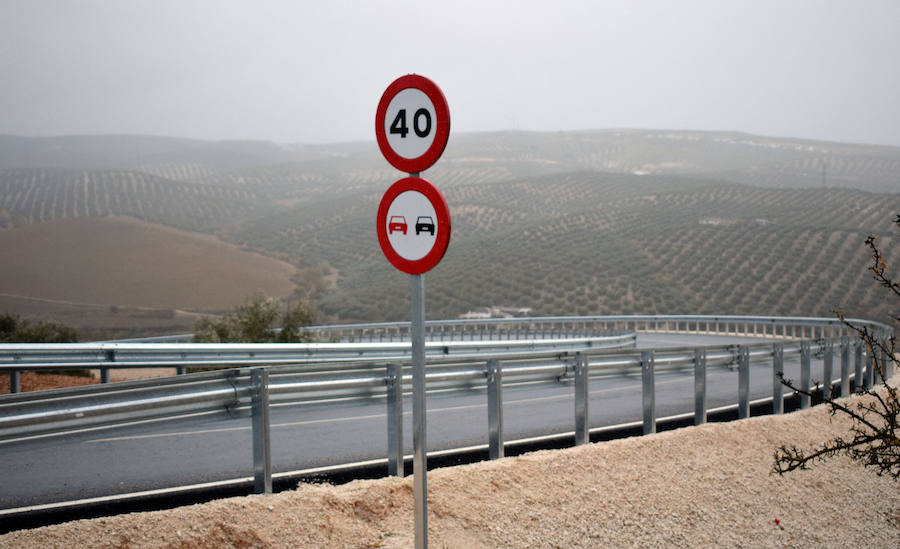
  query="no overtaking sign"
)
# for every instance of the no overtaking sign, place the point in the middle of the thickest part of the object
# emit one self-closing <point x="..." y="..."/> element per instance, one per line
<point x="413" y="225"/>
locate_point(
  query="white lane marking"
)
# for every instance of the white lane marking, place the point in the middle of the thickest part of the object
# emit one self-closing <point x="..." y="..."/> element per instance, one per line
<point x="372" y="416"/>
<point x="227" y="429"/>
<point x="161" y="435"/>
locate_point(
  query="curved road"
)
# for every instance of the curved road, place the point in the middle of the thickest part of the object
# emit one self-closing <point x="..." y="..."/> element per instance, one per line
<point x="212" y="448"/>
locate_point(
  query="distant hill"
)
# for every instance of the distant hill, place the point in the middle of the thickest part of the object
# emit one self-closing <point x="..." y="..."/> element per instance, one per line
<point x="150" y="154"/>
<point x="737" y="157"/>
<point x="614" y="221"/>
<point x="731" y="156"/>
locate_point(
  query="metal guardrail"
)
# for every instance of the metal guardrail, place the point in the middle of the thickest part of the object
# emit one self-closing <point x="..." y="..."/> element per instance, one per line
<point x="19" y="357"/>
<point x="452" y="365"/>
<point x="555" y="327"/>
<point x="573" y="326"/>
<point x="136" y="353"/>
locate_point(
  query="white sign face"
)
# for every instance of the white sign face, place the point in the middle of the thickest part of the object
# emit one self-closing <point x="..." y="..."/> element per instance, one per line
<point x="409" y="123"/>
<point x="412" y="225"/>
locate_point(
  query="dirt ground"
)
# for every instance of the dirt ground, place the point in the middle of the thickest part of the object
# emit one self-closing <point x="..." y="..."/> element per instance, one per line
<point x="707" y="486"/>
<point x="31" y="381"/>
<point x="120" y="261"/>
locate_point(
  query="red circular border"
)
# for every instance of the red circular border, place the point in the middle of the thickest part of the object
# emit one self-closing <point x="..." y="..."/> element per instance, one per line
<point x="442" y="123"/>
<point x="434" y="196"/>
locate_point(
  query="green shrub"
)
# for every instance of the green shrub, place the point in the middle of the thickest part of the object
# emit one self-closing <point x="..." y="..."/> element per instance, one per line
<point x="258" y="320"/>
<point x="14" y="329"/>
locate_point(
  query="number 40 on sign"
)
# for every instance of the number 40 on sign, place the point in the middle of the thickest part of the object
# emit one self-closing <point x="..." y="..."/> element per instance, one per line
<point x="412" y="123"/>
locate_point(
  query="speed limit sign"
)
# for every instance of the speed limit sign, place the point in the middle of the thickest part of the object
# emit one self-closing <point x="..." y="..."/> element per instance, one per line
<point x="412" y="123"/>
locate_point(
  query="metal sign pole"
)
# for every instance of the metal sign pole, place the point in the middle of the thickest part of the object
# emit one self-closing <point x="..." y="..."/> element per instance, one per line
<point x="414" y="153"/>
<point x="420" y="468"/>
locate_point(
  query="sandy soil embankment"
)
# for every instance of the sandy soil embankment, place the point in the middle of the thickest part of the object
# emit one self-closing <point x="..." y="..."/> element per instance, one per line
<point x="707" y="486"/>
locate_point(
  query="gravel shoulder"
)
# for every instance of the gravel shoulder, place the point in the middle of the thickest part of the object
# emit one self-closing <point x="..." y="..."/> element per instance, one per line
<point x="707" y="486"/>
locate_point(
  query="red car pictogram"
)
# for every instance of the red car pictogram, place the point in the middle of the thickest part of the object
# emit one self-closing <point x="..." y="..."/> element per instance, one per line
<point x="397" y="223"/>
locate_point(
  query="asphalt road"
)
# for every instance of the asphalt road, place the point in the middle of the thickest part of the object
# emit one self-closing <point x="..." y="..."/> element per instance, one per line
<point x="212" y="448"/>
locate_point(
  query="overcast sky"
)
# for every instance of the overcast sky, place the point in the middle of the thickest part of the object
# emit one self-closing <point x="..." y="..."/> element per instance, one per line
<point x="313" y="72"/>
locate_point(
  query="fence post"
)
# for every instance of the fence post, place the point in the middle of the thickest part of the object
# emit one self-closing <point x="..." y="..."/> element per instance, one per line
<point x="777" y="373"/>
<point x="804" y="374"/>
<point x="648" y="392"/>
<point x="699" y="386"/>
<point x="104" y="375"/>
<point x="395" y="420"/>
<point x="743" y="382"/>
<point x="262" y="447"/>
<point x="15" y="381"/>
<point x="582" y="430"/>
<point x="495" y="409"/>
<point x="858" y="374"/>
<point x="827" y="369"/>
<point x="845" y="366"/>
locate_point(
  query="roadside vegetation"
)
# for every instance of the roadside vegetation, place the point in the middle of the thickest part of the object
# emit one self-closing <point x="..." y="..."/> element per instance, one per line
<point x="260" y="319"/>
<point x="14" y="329"/>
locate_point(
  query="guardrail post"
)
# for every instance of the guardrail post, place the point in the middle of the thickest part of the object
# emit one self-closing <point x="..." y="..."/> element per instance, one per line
<point x="699" y="386"/>
<point x="845" y="366"/>
<point x="110" y="355"/>
<point x="648" y="392"/>
<point x="777" y="373"/>
<point x="827" y="369"/>
<point x="180" y="370"/>
<point x="15" y="381"/>
<point x="870" y="369"/>
<point x="858" y="374"/>
<point x="262" y="447"/>
<point x="887" y="365"/>
<point x="804" y="375"/>
<point x="395" y="420"/>
<point x="743" y="382"/>
<point x="582" y="430"/>
<point x="495" y="409"/>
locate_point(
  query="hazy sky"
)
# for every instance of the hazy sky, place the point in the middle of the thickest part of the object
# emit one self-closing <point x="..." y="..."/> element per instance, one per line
<point x="313" y="72"/>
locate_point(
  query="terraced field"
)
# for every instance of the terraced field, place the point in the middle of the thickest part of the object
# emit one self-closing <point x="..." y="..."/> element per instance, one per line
<point x="572" y="223"/>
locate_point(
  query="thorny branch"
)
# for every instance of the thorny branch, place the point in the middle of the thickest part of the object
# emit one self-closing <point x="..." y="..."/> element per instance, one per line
<point x="873" y="438"/>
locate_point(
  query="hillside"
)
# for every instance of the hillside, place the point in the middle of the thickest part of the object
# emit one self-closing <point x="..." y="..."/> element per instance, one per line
<point x="594" y="243"/>
<point x="617" y="221"/>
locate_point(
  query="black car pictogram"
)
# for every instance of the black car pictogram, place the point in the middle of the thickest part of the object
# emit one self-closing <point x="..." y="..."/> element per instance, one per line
<point x="425" y="223"/>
